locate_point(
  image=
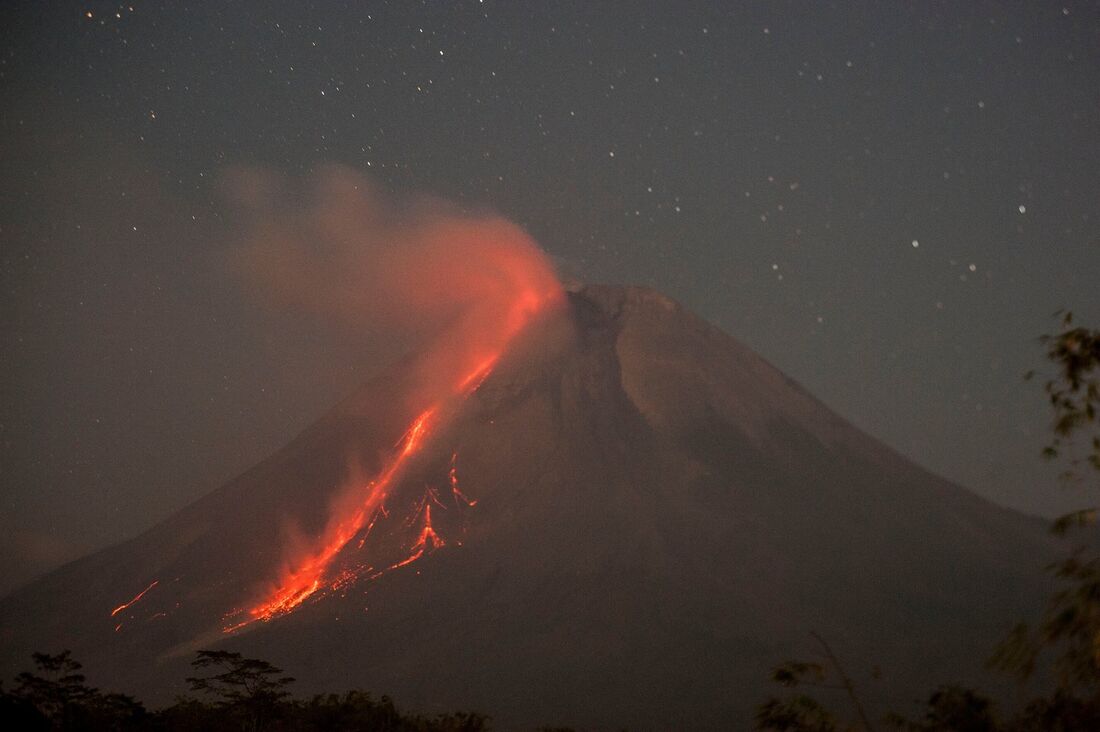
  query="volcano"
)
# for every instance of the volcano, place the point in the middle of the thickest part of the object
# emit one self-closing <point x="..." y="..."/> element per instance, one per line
<point x="625" y="520"/>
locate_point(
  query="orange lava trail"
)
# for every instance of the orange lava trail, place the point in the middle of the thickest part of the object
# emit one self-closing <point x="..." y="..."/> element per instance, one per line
<point x="308" y="573"/>
<point x="137" y="597"/>
<point x="434" y="495"/>
<point x="427" y="541"/>
<point x="453" y="475"/>
<point x="478" y="375"/>
<point x="374" y="519"/>
<point x="308" y="577"/>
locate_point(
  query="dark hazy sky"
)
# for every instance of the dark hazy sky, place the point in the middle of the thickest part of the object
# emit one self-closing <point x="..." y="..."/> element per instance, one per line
<point x="887" y="200"/>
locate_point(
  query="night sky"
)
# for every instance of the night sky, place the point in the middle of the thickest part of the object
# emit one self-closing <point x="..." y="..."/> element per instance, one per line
<point x="886" y="200"/>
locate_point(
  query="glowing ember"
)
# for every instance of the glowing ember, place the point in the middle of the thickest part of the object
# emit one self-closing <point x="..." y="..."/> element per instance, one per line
<point x="137" y="597"/>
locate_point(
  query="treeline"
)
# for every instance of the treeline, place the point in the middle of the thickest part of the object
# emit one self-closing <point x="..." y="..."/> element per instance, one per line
<point x="231" y="693"/>
<point x="1071" y="707"/>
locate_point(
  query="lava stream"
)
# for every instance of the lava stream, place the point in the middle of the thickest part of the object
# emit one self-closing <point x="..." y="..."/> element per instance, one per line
<point x="137" y="597"/>
<point x="453" y="475"/>
<point x="426" y="541"/>
<point x="309" y="576"/>
<point x="298" y="585"/>
<point x="309" y="572"/>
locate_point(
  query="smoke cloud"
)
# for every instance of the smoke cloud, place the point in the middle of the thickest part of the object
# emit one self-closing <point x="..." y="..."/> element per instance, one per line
<point x="464" y="284"/>
<point x="460" y="285"/>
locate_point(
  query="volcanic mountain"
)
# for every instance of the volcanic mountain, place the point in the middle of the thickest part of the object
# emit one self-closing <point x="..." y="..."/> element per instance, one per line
<point x="626" y="521"/>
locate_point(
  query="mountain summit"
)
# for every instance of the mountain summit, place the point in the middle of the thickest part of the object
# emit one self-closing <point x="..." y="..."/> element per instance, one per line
<point x="626" y="521"/>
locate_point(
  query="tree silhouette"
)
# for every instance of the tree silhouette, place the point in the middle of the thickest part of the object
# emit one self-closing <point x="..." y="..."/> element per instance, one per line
<point x="1070" y="627"/>
<point x="952" y="708"/>
<point x="798" y="713"/>
<point x="55" y="696"/>
<point x="57" y="688"/>
<point x="801" y="712"/>
<point x="1074" y="392"/>
<point x="243" y="693"/>
<point x="248" y="686"/>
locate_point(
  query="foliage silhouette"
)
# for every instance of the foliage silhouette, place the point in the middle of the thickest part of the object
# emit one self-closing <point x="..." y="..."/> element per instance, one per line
<point x="952" y="708"/>
<point x="237" y="694"/>
<point x="55" y="696"/>
<point x="1070" y="626"/>
<point x="803" y="713"/>
<point x="247" y="687"/>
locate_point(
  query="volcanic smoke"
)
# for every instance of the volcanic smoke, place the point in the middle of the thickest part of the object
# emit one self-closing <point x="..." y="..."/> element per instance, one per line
<point x="467" y="285"/>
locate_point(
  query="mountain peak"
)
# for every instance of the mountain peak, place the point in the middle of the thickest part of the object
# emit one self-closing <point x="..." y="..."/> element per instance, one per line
<point x="627" y="522"/>
<point x="678" y="369"/>
<point x="617" y="299"/>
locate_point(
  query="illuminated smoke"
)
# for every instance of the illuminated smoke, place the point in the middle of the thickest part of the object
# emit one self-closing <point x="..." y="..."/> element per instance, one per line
<point x="465" y="285"/>
<point x="459" y="284"/>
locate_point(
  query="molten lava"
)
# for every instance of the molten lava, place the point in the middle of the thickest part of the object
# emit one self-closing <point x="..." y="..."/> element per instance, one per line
<point x="426" y="541"/>
<point x="452" y="475"/>
<point x="135" y="599"/>
<point x="309" y="576"/>
<point x="312" y="571"/>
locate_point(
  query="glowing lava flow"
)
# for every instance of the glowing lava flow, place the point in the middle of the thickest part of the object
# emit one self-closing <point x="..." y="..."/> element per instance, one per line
<point x="453" y="476"/>
<point x="427" y="541"/>
<point x="309" y="576"/>
<point x="137" y="597"/>
<point x="309" y="572"/>
<point x="478" y="375"/>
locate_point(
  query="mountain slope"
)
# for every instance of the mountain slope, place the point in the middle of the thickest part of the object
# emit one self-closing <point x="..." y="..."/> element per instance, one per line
<point x="658" y="516"/>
